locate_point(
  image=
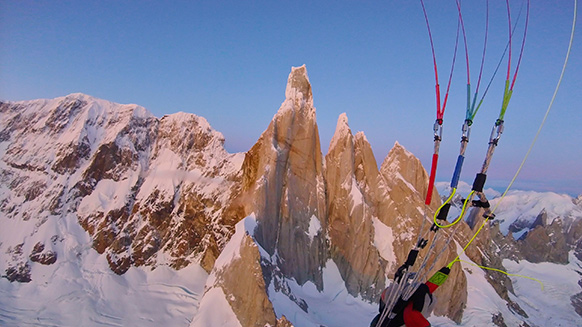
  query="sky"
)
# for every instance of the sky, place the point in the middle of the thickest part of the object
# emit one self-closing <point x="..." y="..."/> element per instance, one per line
<point x="228" y="61"/>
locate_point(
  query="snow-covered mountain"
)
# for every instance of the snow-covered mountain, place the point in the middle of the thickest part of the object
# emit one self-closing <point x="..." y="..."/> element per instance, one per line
<point x="111" y="216"/>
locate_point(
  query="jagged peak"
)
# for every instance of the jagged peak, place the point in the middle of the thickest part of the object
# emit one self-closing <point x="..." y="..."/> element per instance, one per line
<point x="180" y="117"/>
<point x="342" y="120"/>
<point x="298" y="86"/>
<point x="399" y="148"/>
<point x="298" y="99"/>
<point x="342" y="129"/>
<point x="184" y="122"/>
<point x="361" y="136"/>
<point x="397" y="145"/>
<point x="396" y="158"/>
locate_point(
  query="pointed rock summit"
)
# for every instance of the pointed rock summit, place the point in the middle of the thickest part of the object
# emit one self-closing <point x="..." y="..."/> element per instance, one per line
<point x="342" y="130"/>
<point x="405" y="172"/>
<point x="353" y="186"/>
<point x="298" y="87"/>
<point x="283" y="186"/>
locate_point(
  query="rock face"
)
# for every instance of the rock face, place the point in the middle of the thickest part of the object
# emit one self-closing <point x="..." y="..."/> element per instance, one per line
<point x="404" y="210"/>
<point x="19" y="273"/>
<point x="147" y="190"/>
<point x="354" y="191"/>
<point x="283" y="186"/>
<point x="41" y="256"/>
<point x="298" y="204"/>
<point x="183" y="211"/>
<point x="574" y="237"/>
<point x="546" y="244"/>
<point x="238" y="273"/>
<point x="368" y="206"/>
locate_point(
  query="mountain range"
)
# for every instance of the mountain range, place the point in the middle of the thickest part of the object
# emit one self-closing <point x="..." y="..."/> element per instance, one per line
<point x="111" y="216"/>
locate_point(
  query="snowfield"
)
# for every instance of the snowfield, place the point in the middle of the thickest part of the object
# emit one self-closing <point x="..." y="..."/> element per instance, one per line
<point x="81" y="290"/>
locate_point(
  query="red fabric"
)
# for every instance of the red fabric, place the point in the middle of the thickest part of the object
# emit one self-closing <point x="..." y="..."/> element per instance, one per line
<point x="413" y="318"/>
<point x="384" y="295"/>
<point x="431" y="287"/>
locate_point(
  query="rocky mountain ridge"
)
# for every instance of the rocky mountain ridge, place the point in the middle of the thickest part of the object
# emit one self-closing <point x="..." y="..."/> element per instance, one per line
<point x="147" y="190"/>
<point x="155" y="192"/>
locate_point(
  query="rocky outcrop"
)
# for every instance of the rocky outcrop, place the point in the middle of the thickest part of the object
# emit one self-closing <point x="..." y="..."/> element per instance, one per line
<point x="283" y="185"/>
<point x="18" y="268"/>
<point x="574" y="237"/>
<point x="239" y="276"/>
<point x="243" y="280"/>
<point x="404" y="211"/>
<point x="504" y="246"/>
<point x="185" y="209"/>
<point x="41" y="256"/>
<point x="354" y="191"/>
<point x="18" y="273"/>
<point x="139" y="185"/>
<point x="546" y="244"/>
<point x="498" y="320"/>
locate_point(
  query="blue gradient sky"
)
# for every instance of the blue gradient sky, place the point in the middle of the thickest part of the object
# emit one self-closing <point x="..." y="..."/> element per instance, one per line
<point x="228" y="61"/>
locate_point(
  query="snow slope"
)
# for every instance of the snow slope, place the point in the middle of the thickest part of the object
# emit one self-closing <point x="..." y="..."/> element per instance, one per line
<point x="334" y="306"/>
<point x="81" y="290"/>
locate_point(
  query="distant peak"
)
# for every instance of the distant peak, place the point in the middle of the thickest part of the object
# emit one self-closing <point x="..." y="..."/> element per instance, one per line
<point x="399" y="149"/>
<point x="342" y="119"/>
<point x="186" y="118"/>
<point x="79" y="96"/>
<point x="342" y="126"/>
<point x="298" y="94"/>
<point x="361" y="136"/>
<point x="298" y="86"/>
<point x="341" y="130"/>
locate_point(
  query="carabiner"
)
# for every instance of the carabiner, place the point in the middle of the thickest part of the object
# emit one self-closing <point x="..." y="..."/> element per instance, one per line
<point x="438" y="130"/>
